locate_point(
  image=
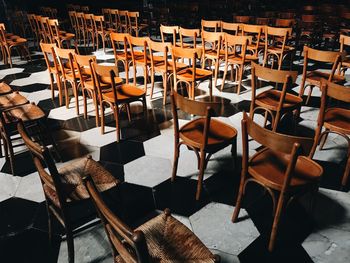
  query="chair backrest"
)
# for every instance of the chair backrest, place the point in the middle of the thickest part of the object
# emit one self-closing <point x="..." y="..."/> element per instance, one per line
<point x="189" y="33"/>
<point x="276" y="36"/>
<point x="133" y="18"/>
<point x="344" y="41"/>
<point x="159" y="47"/>
<point x="284" y="22"/>
<point x="123" y="18"/>
<point x="335" y="91"/>
<point x="49" y="52"/>
<point x="243" y="19"/>
<point x="169" y="30"/>
<point x="333" y="57"/>
<point x="64" y="56"/>
<point x="212" y="40"/>
<point x="99" y="23"/>
<point x="264" y="21"/>
<point x="84" y="66"/>
<point x="51" y="180"/>
<point x="128" y="244"/>
<point x="231" y="28"/>
<point x="275" y="141"/>
<point x="115" y="22"/>
<point x="199" y="108"/>
<point x="192" y="54"/>
<point x="120" y="38"/>
<point x="236" y="44"/>
<point x="287" y="15"/>
<point x="211" y="25"/>
<point x="104" y="74"/>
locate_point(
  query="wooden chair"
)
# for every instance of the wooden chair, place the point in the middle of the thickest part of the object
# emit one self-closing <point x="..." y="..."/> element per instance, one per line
<point x="256" y="45"/>
<point x="283" y="22"/>
<point x="162" y="237"/>
<point x="345" y="62"/>
<point x="68" y="74"/>
<point x="100" y="31"/>
<point x="73" y="21"/>
<point x="276" y="46"/>
<point x="192" y="75"/>
<point x="112" y="93"/>
<point x="276" y="103"/>
<point x="34" y="29"/>
<point x="243" y="19"/>
<point x="115" y="22"/>
<point x="212" y="51"/>
<point x="235" y="56"/>
<point x="280" y="167"/>
<point x="263" y="21"/>
<point x="139" y="56"/>
<point x="106" y="12"/>
<point x="89" y="30"/>
<point x="191" y="37"/>
<point x="32" y="116"/>
<point x="124" y="55"/>
<point x="135" y="26"/>
<point x="88" y="88"/>
<point x="64" y="189"/>
<point x="313" y="78"/>
<point x="310" y="29"/>
<point x="59" y="36"/>
<point x="203" y="135"/>
<point x="334" y="120"/>
<point x="169" y="31"/>
<point x="211" y="26"/>
<point x="230" y="28"/>
<point x="81" y="27"/>
<point x="123" y="21"/>
<point x="53" y="68"/>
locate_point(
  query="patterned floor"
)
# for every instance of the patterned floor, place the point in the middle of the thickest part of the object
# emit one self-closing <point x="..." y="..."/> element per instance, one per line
<point x="143" y="160"/>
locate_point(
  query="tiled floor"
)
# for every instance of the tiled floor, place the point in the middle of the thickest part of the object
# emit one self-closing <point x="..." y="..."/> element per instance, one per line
<point x="143" y="160"/>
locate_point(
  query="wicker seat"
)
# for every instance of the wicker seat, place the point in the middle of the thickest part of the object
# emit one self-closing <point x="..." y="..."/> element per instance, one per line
<point x="12" y="100"/>
<point x="161" y="239"/>
<point x="64" y="189"/>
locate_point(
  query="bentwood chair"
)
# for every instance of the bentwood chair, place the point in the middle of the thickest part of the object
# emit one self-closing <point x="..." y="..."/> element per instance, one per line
<point x="59" y="36"/>
<point x="8" y="44"/>
<point x="345" y="63"/>
<point x="123" y="21"/>
<point x="88" y="89"/>
<point x="235" y="56"/>
<point x="192" y="75"/>
<point x="334" y="120"/>
<point x="68" y="74"/>
<point x="212" y="51"/>
<point x="64" y="188"/>
<point x="89" y="29"/>
<point x="139" y="56"/>
<point x="211" y="25"/>
<point x="256" y="45"/>
<point x="274" y="102"/>
<point x="280" y="167"/>
<point x="162" y="238"/>
<point x="100" y="31"/>
<point x="169" y="31"/>
<point x="135" y="26"/>
<point x="276" y="46"/>
<point x="123" y="55"/>
<point x="230" y="28"/>
<point x="191" y="37"/>
<point x="313" y="78"/>
<point x="113" y="93"/>
<point x="53" y="69"/>
<point x="204" y="135"/>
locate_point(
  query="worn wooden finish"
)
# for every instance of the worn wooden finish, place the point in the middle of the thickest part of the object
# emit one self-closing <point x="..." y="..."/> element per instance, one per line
<point x="204" y="135"/>
<point x="280" y="167"/>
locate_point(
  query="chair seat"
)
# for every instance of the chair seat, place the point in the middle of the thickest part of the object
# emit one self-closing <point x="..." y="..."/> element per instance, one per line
<point x="26" y="112"/>
<point x="187" y="74"/>
<point x="271" y="98"/>
<point x="4" y="88"/>
<point x="337" y="119"/>
<point x="314" y="77"/>
<point x="16" y="42"/>
<point x="160" y="66"/>
<point x="72" y="180"/>
<point x="125" y="92"/>
<point x="219" y="134"/>
<point x="235" y="59"/>
<point x="12" y="100"/>
<point x="269" y="167"/>
<point x="168" y="240"/>
<point x="250" y="57"/>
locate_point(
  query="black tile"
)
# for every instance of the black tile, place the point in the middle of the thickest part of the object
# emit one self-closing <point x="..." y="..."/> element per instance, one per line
<point x="122" y="152"/>
<point x="23" y="164"/>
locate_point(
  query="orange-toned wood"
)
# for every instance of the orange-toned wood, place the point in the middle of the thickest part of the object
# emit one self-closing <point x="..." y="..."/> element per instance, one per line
<point x="135" y="26"/>
<point x="190" y="34"/>
<point x="203" y="135"/>
<point x="281" y="167"/>
<point x="211" y="25"/>
<point x="345" y="62"/>
<point x="169" y="31"/>
<point x="334" y="120"/>
<point x="124" y="55"/>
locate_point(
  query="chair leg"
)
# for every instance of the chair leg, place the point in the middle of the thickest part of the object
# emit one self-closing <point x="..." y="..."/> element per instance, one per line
<point x="239" y="201"/>
<point x="240" y="76"/>
<point x="201" y="174"/>
<point x="324" y="139"/>
<point x="309" y="95"/>
<point x="116" y="117"/>
<point x="70" y="245"/>
<point x="346" y="173"/>
<point x="224" y="77"/>
<point x="216" y="72"/>
<point x="152" y="83"/>
<point x="276" y="221"/>
<point x="176" y="160"/>
<point x="102" y="118"/>
<point x="165" y="87"/>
